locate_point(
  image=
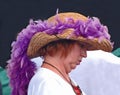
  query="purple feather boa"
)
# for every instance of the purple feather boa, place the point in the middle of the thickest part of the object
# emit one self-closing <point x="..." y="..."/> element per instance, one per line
<point x="21" y="68"/>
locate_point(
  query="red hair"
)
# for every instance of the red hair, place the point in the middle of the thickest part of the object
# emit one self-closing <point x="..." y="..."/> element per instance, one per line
<point x="60" y="46"/>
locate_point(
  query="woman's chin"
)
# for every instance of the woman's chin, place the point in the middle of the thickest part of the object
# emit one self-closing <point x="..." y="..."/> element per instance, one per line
<point x="74" y="66"/>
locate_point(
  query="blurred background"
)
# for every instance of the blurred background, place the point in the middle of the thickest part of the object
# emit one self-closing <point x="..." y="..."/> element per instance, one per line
<point x="15" y="15"/>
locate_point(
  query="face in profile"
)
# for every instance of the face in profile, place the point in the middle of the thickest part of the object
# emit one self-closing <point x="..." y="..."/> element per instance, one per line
<point x="74" y="57"/>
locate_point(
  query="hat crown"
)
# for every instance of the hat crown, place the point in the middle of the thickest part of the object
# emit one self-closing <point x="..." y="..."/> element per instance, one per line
<point x="63" y="17"/>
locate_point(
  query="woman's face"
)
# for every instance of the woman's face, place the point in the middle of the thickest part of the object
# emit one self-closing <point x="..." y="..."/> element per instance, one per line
<point x="74" y="57"/>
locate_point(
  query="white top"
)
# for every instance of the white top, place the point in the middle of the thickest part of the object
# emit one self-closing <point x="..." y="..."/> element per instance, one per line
<point x="98" y="74"/>
<point x="46" y="82"/>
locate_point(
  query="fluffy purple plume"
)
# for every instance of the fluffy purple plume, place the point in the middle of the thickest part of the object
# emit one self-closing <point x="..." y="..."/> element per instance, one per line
<point x="21" y="68"/>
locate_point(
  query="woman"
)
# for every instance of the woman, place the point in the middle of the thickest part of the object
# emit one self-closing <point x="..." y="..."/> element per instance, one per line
<point x="60" y="57"/>
<point x="62" y="42"/>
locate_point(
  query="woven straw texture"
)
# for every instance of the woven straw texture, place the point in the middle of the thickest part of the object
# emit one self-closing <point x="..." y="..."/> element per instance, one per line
<point x="40" y="39"/>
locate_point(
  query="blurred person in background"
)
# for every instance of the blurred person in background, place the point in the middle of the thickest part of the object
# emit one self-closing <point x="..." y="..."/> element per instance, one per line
<point x="4" y="82"/>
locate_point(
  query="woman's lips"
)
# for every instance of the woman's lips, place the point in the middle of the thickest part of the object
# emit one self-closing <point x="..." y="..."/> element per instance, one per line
<point x="79" y="62"/>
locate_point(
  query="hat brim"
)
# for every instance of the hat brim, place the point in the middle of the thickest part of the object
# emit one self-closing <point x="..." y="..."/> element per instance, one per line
<point x="41" y="39"/>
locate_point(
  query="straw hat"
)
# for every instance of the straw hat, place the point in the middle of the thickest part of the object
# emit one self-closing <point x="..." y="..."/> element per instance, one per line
<point x="72" y="26"/>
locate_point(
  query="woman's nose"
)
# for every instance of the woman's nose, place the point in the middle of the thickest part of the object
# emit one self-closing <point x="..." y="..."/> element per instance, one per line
<point x="84" y="53"/>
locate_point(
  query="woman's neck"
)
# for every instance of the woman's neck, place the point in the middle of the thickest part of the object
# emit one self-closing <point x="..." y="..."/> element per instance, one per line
<point x="65" y="76"/>
<point x="56" y="67"/>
